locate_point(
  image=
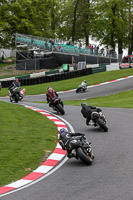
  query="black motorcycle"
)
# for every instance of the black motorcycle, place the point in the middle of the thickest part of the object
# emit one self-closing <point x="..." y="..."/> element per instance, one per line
<point x="81" y="88"/>
<point x="81" y="149"/>
<point x="57" y="105"/>
<point x="14" y="94"/>
<point x="98" y="119"/>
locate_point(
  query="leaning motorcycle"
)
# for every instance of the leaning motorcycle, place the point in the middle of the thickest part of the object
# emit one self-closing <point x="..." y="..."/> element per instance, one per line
<point x="57" y="105"/>
<point x="81" y="88"/>
<point x="98" y="119"/>
<point x="81" y="149"/>
<point x="15" y="94"/>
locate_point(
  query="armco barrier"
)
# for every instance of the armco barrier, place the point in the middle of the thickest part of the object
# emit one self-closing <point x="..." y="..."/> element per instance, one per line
<point x="23" y="77"/>
<point x="52" y="72"/>
<point x="50" y="78"/>
<point x="101" y="68"/>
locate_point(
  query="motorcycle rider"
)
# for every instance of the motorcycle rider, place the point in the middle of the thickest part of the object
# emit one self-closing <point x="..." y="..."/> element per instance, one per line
<point x="50" y="94"/>
<point x="87" y="110"/>
<point x="15" y="83"/>
<point x="84" y="84"/>
<point x="65" y="138"/>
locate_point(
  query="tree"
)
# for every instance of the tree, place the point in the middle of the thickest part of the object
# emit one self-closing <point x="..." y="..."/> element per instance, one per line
<point x="30" y="17"/>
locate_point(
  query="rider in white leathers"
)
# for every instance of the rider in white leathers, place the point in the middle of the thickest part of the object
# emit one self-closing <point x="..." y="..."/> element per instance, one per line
<point x="84" y="83"/>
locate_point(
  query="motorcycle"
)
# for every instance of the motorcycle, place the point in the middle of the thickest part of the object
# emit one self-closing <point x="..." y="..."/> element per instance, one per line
<point x="17" y="94"/>
<point x="57" y="105"/>
<point x="81" y="149"/>
<point x="98" y="119"/>
<point x="81" y="88"/>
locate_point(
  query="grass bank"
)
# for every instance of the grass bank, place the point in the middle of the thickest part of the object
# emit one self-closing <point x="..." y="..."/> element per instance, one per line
<point x="73" y="83"/>
<point x="119" y="100"/>
<point x="26" y="140"/>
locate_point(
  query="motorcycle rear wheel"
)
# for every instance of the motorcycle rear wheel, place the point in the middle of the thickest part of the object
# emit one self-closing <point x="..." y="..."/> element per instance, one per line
<point x="86" y="159"/>
<point x="60" y="109"/>
<point x="102" y="125"/>
<point x="16" y="98"/>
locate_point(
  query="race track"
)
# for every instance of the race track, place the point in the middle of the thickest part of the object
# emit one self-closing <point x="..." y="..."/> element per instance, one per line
<point x="110" y="176"/>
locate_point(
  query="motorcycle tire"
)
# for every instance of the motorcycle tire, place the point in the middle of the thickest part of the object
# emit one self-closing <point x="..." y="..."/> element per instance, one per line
<point x="77" y="90"/>
<point x="16" y="98"/>
<point x="84" y="90"/>
<point x="83" y="157"/>
<point x="11" y="99"/>
<point x="60" y="109"/>
<point x="102" y="125"/>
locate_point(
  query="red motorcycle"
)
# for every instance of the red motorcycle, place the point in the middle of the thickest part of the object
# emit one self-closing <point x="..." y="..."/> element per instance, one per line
<point x="57" y="104"/>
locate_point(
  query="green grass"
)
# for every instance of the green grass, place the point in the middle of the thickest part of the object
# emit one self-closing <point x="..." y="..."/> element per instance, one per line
<point x="119" y="100"/>
<point x="25" y="138"/>
<point x="5" y="64"/>
<point x="73" y="83"/>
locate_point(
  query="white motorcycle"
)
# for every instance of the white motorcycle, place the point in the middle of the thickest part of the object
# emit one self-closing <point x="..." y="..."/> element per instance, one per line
<point x="81" y="88"/>
<point x="17" y="94"/>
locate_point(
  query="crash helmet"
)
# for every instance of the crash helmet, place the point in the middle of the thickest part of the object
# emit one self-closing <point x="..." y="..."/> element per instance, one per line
<point x="83" y="103"/>
<point x="84" y="81"/>
<point x="63" y="130"/>
<point x="16" y="80"/>
<point x="49" y="88"/>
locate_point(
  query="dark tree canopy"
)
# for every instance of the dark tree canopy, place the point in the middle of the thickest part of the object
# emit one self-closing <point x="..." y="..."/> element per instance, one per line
<point x="108" y="21"/>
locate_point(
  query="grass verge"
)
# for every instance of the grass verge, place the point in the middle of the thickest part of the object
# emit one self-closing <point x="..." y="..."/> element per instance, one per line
<point x="119" y="100"/>
<point x="27" y="138"/>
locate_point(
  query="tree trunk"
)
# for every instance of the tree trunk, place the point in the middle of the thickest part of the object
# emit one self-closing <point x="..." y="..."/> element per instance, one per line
<point x="87" y="39"/>
<point x="74" y="20"/>
<point x="130" y="50"/>
<point x="113" y="26"/>
<point x="120" y="51"/>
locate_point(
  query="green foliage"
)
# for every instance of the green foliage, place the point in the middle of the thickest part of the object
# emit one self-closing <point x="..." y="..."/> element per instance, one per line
<point x="107" y="21"/>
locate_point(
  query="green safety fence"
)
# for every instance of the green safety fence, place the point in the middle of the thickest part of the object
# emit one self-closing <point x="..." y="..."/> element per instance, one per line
<point x="101" y="68"/>
<point x="23" y="77"/>
<point x="52" y="72"/>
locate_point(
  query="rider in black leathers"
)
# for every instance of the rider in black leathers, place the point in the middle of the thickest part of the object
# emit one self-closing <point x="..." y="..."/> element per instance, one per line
<point x="64" y="139"/>
<point x="87" y="110"/>
<point x="15" y="83"/>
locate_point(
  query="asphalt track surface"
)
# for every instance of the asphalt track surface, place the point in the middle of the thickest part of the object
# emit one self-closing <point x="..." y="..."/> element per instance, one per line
<point x="111" y="175"/>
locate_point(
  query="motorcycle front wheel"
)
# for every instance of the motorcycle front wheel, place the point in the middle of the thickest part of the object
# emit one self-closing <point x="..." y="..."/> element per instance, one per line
<point x="60" y="109"/>
<point x="102" y="125"/>
<point x="11" y="99"/>
<point x="85" y="158"/>
<point x="78" y="90"/>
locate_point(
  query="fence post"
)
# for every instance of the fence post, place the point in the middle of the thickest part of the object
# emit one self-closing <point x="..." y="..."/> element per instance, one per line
<point x="25" y="67"/>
